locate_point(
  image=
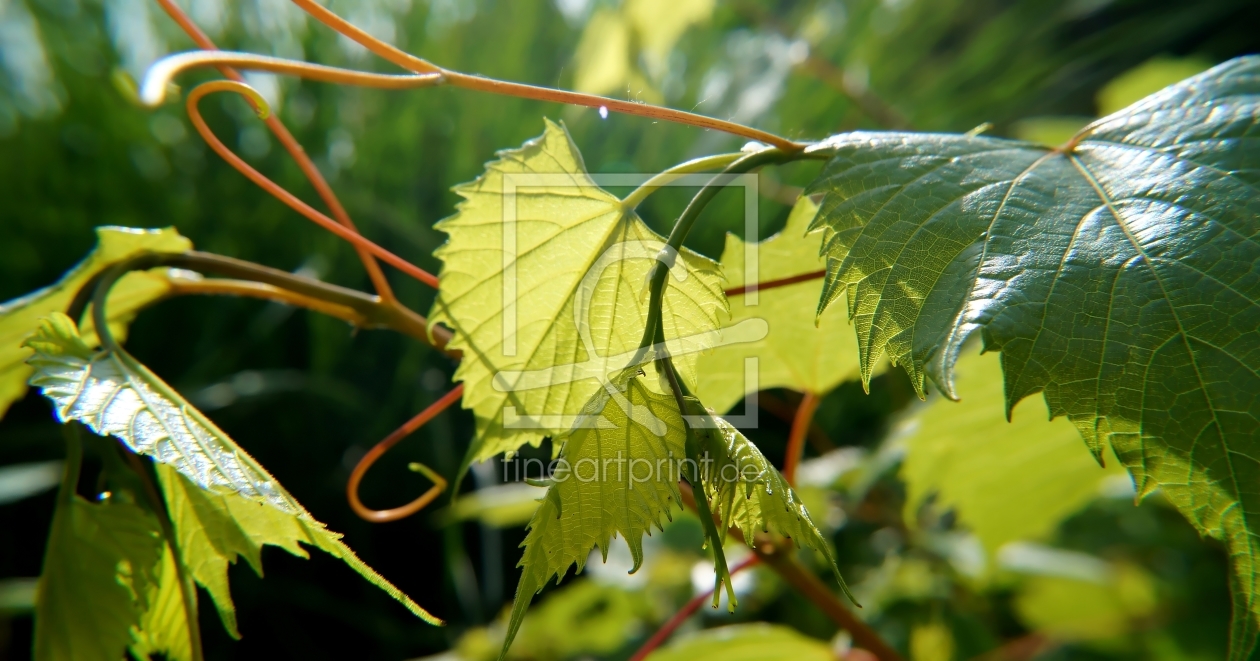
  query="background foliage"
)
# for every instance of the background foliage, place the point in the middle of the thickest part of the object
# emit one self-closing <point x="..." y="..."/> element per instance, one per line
<point x="1101" y="579"/>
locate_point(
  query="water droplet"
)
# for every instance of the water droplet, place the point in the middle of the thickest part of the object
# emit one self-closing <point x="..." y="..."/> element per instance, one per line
<point x="603" y="112"/>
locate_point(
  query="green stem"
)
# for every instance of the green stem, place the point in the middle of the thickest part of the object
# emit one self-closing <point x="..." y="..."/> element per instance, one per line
<point x="687" y="220"/>
<point x="74" y="463"/>
<point x="702" y="164"/>
<point x="374" y="311"/>
<point x="187" y="590"/>
<point x="665" y="365"/>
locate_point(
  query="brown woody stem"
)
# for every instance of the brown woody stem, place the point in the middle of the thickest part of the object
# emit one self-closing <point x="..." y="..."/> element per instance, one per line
<point x="780" y="557"/>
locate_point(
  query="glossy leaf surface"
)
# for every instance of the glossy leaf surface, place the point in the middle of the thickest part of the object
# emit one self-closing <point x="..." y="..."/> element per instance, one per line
<point x="1117" y="276"/>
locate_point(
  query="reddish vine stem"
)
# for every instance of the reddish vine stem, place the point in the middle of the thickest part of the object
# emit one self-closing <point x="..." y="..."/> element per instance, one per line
<point x="780" y="558"/>
<point x="796" y="438"/>
<point x="279" y="192"/>
<point x="774" y="284"/>
<point x="684" y="613"/>
<point x="379" y="282"/>
<point x="439" y="484"/>
<point x="506" y="88"/>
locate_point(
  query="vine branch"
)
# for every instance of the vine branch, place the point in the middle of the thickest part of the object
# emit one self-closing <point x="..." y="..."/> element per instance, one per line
<point x="290" y="144"/>
<point x="258" y="281"/>
<point x="506" y="88"/>
<point x="676" y="620"/>
<point x="796" y="437"/>
<point x="779" y="556"/>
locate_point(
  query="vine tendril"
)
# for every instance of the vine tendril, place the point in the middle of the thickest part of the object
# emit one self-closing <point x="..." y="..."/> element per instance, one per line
<point x="358" y="240"/>
<point x="378" y="450"/>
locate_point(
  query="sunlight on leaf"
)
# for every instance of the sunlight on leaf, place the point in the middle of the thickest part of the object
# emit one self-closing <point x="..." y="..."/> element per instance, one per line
<point x="229" y="504"/>
<point x="99" y="564"/>
<point x="746" y="492"/>
<point x="622" y="480"/>
<point x="745" y="642"/>
<point x="1077" y="609"/>
<point x="1005" y="480"/>
<point x="796" y="352"/>
<point x="602" y="59"/>
<point x="1146" y="79"/>
<point x="1117" y="279"/>
<point x="20" y="317"/>
<point x="547" y="296"/>
<point x="163" y="627"/>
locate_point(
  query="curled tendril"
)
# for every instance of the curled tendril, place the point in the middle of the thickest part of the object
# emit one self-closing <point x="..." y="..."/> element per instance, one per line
<point x="159" y="76"/>
<point x="194" y="114"/>
<point x="439" y="483"/>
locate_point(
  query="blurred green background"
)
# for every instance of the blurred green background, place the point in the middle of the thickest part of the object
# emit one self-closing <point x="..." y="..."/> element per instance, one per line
<point x="307" y="396"/>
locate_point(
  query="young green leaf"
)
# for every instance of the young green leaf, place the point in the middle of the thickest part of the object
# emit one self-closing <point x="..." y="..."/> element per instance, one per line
<point x="229" y="505"/>
<point x="99" y="564"/>
<point x="746" y="492"/>
<point x="620" y="477"/>
<point x="746" y="642"/>
<point x="20" y="317"/>
<point x="1006" y="482"/>
<point x="798" y="351"/>
<point x="544" y="282"/>
<point x="163" y="627"/>
<point x="1116" y="275"/>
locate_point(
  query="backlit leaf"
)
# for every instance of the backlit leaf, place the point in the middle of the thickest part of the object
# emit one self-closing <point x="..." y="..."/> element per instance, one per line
<point x="795" y="352"/>
<point x="1077" y="609"/>
<point x="224" y="504"/>
<point x="163" y="627"/>
<point x="622" y="479"/>
<point x="99" y="564"/>
<point x="746" y="492"/>
<point x="746" y="642"/>
<point x="20" y="317"/>
<point x="547" y="292"/>
<point x="1005" y="480"/>
<point x="1118" y="278"/>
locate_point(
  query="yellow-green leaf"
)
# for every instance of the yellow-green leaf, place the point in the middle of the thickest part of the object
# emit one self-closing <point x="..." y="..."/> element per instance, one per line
<point x="746" y="642"/>
<point x="163" y="627"/>
<point x="544" y="283"/>
<point x="798" y="351"/>
<point x="99" y="564"/>
<point x="20" y="317"/>
<point x="1079" y="609"/>
<point x="1005" y="480"/>
<point x="224" y="504"/>
<point x="746" y="492"/>
<point x="620" y="478"/>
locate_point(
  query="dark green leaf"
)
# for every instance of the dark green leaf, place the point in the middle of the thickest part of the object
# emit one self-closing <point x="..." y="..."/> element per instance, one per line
<point x="1117" y="276"/>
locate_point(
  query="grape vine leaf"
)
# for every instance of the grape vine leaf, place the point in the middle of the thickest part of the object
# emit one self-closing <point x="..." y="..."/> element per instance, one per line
<point x="1116" y="275"/>
<point x="798" y="351"/>
<point x="1005" y="482"/>
<point x="20" y="317"/>
<point x="163" y="627"/>
<point x="746" y="642"/>
<point x="745" y="491"/>
<point x="100" y="561"/>
<point x="228" y="506"/>
<point x="619" y="477"/>
<point x="544" y="285"/>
